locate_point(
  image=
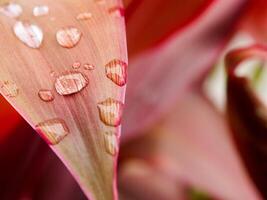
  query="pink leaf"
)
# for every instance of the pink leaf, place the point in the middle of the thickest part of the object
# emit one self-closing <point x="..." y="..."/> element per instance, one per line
<point x="159" y="76"/>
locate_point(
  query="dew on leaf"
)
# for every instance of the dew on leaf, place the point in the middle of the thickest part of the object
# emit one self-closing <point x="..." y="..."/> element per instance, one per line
<point x="46" y="95"/>
<point x="116" y="70"/>
<point x="9" y="89"/>
<point x="70" y="83"/>
<point x="53" y="130"/>
<point x="84" y="16"/>
<point x="29" y="34"/>
<point x="111" y="143"/>
<point x="88" y="66"/>
<point x="68" y="37"/>
<point x="116" y="11"/>
<point x="40" y="11"/>
<point x="110" y="112"/>
<point x="12" y="10"/>
<point x="76" y="65"/>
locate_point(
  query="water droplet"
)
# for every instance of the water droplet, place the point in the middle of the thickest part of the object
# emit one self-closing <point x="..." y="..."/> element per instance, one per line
<point x="29" y="34"/>
<point x="110" y="112"/>
<point x="53" y="130"/>
<point x="116" y="71"/>
<point x="40" y="11"/>
<point x="52" y="73"/>
<point x="9" y="89"/>
<point x="68" y="37"/>
<point x="84" y="16"/>
<point x="76" y="65"/>
<point x="111" y="143"/>
<point x="70" y="83"/>
<point x="116" y="11"/>
<point x="12" y="10"/>
<point x="46" y="95"/>
<point x="88" y="66"/>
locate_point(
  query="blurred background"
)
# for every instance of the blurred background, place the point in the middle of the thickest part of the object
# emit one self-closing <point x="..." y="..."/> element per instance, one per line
<point x="188" y="132"/>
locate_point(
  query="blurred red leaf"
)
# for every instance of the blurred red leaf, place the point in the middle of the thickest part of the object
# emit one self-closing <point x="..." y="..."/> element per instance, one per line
<point x="9" y="119"/>
<point x="192" y="145"/>
<point x="159" y="76"/>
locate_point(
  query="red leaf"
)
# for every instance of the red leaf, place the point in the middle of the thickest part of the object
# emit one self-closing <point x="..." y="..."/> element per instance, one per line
<point x="159" y="76"/>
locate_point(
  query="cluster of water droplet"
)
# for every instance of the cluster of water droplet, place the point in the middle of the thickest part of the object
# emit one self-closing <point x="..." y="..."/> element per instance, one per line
<point x="69" y="82"/>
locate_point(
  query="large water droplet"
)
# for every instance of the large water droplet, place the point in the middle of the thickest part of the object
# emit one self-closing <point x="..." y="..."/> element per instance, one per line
<point x="84" y="16"/>
<point x="11" y="10"/>
<point x="53" y="130"/>
<point x="88" y="66"/>
<point x="68" y="37"/>
<point x="9" y="89"/>
<point x="46" y="95"/>
<point x="70" y="83"/>
<point x="29" y="34"/>
<point x="110" y="112"/>
<point x="116" y="70"/>
<point x="111" y="143"/>
<point x="40" y="11"/>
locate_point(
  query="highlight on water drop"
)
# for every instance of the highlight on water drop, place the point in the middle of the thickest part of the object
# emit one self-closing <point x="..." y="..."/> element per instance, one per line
<point x="84" y="16"/>
<point x="68" y="37"/>
<point x="110" y="112"/>
<point x="70" y="82"/>
<point x="116" y="70"/>
<point x="12" y="10"/>
<point x="40" y="10"/>
<point x="53" y="130"/>
<point x="29" y="34"/>
<point x="88" y="66"/>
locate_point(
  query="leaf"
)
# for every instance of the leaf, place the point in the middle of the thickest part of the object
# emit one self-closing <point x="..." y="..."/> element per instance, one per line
<point x="150" y="22"/>
<point x="9" y="119"/>
<point x="31" y="170"/>
<point x="161" y="75"/>
<point x="67" y="117"/>
<point x="191" y="147"/>
<point x="247" y="114"/>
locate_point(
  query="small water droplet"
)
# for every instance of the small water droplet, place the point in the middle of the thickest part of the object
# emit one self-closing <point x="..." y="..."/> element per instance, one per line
<point x="68" y="37"/>
<point x="76" y="65"/>
<point x="116" y="11"/>
<point x="12" y="10"/>
<point x="40" y="11"/>
<point x="84" y="16"/>
<point x="9" y="89"/>
<point x="111" y="143"/>
<point x="46" y="95"/>
<point x="70" y="83"/>
<point x="116" y="70"/>
<point x="110" y="112"/>
<point x="88" y="66"/>
<point x="52" y="73"/>
<point x="53" y="130"/>
<point x="29" y="34"/>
